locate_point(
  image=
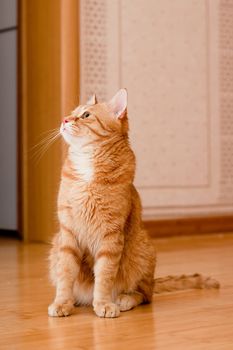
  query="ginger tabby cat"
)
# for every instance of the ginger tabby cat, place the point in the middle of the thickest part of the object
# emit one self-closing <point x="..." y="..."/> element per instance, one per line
<point x="102" y="255"/>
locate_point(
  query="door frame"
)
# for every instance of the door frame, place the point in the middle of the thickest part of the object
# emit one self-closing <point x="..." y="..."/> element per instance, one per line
<point x="48" y="89"/>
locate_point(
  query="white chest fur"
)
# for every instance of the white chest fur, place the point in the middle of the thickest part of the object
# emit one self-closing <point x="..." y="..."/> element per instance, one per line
<point x="82" y="159"/>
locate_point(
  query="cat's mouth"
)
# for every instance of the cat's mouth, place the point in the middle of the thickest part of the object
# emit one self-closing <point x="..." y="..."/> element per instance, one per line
<point x="62" y="128"/>
<point x="65" y="127"/>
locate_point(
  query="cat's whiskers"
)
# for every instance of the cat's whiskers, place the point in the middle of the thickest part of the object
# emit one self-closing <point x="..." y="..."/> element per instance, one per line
<point x="43" y="145"/>
<point x="45" y="139"/>
<point x="49" y="132"/>
<point x="44" y="149"/>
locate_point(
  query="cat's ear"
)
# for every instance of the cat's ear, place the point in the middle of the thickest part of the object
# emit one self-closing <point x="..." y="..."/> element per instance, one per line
<point x="118" y="104"/>
<point x="92" y="100"/>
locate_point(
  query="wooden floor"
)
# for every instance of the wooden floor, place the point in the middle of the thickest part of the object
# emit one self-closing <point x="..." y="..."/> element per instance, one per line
<point x="185" y="320"/>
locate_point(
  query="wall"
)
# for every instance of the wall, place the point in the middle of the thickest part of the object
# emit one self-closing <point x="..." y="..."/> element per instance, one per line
<point x="8" y="115"/>
<point x="175" y="58"/>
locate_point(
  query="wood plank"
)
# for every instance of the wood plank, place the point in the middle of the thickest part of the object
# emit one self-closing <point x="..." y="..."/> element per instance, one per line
<point x="185" y="320"/>
<point x="189" y="226"/>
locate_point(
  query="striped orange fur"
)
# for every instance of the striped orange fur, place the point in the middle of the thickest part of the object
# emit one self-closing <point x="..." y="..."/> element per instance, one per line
<point x="101" y="255"/>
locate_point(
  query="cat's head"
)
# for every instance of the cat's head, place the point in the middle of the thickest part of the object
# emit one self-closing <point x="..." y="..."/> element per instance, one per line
<point x="96" y="121"/>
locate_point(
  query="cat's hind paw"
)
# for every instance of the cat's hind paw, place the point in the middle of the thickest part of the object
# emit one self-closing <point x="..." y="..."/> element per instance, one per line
<point x="211" y="283"/>
<point x="126" y="302"/>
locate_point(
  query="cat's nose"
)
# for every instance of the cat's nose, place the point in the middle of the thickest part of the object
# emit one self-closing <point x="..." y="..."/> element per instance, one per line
<point x="66" y="121"/>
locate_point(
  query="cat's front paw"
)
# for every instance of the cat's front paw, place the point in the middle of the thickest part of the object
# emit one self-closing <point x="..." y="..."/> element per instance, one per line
<point x="110" y="310"/>
<point x="60" y="309"/>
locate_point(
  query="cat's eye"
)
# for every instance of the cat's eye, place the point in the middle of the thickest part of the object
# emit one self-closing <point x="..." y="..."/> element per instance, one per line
<point x="85" y="115"/>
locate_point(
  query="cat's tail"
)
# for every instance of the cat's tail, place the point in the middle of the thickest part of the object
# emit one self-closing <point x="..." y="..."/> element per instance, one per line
<point x="183" y="282"/>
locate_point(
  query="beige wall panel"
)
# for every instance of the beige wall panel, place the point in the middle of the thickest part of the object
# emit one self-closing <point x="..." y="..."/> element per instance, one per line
<point x="167" y="54"/>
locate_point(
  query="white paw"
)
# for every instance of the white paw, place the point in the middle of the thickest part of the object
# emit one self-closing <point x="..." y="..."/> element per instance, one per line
<point x="60" y="309"/>
<point x="106" y="309"/>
